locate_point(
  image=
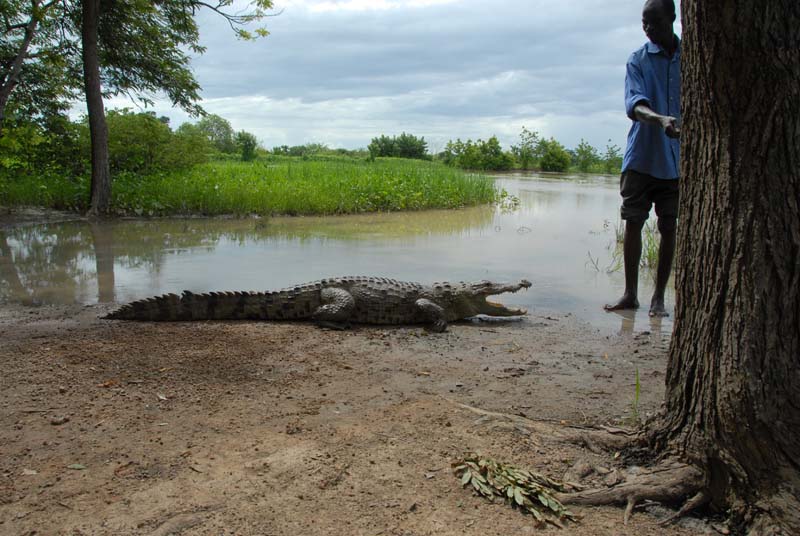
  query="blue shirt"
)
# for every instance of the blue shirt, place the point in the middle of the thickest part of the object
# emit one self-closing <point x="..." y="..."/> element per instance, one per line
<point x="653" y="79"/>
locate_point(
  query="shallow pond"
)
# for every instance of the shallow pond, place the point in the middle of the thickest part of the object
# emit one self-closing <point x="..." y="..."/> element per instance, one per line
<point x="561" y="237"/>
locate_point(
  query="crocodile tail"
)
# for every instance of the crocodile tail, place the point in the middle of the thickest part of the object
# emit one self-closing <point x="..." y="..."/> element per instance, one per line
<point x="191" y="306"/>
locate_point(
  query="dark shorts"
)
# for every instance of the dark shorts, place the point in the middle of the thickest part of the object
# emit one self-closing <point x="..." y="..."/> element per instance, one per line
<point x="640" y="192"/>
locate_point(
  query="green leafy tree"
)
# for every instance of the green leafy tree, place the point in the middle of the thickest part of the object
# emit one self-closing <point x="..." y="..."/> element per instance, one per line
<point x="38" y="75"/>
<point x="585" y="156"/>
<point x="493" y="157"/>
<point x="554" y="157"/>
<point x="410" y="146"/>
<point x="612" y="159"/>
<point x="525" y="150"/>
<point x="135" y="141"/>
<point x="402" y="146"/>
<point x="137" y="48"/>
<point x="381" y="146"/>
<point x="486" y="155"/>
<point x="188" y="147"/>
<point x="219" y="133"/>
<point x="247" y="144"/>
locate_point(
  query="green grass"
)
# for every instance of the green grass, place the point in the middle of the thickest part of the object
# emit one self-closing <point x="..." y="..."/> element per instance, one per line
<point x="651" y="241"/>
<point x="278" y="185"/>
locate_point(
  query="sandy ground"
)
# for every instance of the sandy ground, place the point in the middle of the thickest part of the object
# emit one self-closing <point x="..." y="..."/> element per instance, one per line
<point x="283" y="428"/>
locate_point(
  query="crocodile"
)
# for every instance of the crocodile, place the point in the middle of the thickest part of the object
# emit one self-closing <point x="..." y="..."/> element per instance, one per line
<point x="335" y="302"/>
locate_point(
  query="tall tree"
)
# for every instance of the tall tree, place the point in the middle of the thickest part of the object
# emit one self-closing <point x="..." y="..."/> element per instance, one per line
<point x="98" y="129"/>
<point x="733" y="385"/>
<point x="142" y="47"/>
<point x="730" y="433"/>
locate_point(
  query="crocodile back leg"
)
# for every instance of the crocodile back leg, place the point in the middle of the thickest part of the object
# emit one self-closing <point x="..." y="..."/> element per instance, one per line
<point x="336" y="309"/>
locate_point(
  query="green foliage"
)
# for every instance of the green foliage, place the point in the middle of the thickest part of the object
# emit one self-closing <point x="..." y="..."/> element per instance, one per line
<point x="612" y="159"/>
<point x="247" y="144"/>
<point x="525" y="152"/>
<point x="305" y="151"/>
<point x="484" y="155"/>
<point x="219" y="133"/>
<point x="48" y="145"/>
<point x="140" y="143"/>
<point x="49" y="71"/>
<point x="278" y="185"/>
<point x="402" y="146"/>
<point x="554" y="156"/>
<point x="585" y="156"/>
<point x="134" y="140"/>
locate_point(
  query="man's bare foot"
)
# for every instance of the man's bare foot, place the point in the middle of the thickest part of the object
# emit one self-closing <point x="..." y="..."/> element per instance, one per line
<point x="626" y="302"/>
<point x="657" y="307"/>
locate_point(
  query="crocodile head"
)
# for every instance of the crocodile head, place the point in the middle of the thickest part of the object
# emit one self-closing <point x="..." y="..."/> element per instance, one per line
<point x="472" y="299"/>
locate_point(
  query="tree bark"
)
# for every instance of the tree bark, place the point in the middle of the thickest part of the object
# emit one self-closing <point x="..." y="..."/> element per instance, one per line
<point x="10" y="79"/>
<point x="98" y="130"/>
<point x="733" y="380"/>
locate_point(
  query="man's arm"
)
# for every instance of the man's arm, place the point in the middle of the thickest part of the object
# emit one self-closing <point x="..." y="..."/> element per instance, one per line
<point x="645" y="114"/>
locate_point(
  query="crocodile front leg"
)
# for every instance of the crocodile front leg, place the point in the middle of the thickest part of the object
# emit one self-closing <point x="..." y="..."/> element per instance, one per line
<point x="432" y="312"/>
<point x="337" y="309"/>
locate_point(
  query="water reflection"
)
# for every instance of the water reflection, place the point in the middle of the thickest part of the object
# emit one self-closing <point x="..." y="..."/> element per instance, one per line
<point x="547" y="239"/>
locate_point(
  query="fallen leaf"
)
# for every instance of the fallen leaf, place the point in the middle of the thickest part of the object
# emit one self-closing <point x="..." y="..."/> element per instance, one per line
<point x="77" y="466"/>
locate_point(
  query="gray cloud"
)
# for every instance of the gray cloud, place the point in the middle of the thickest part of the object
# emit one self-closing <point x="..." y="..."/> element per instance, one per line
<point x="453" y="69"/>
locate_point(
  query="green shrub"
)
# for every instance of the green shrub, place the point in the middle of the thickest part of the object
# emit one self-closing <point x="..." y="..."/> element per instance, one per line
<point x="402" y="146"/>
<point x="585" y="156"/>
<point x="555" y="157"/>
<point x="484" y="155"/>
<point x="247" y="144"/>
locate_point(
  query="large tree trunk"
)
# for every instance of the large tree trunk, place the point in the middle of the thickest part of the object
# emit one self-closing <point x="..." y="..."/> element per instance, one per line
<point x="98" y="130"/>
<point x="733" y="381"/>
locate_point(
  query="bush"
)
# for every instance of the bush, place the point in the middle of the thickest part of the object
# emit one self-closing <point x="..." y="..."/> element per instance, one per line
<point x="555" y="157"/>
<point x="141" y="143"/>
<point x="612" y="159"/>
<point x="402" y="146"/>
<point x="247" y="144"/>
<point x="218" y="132"/>
<point x="135" y="141"/>
<point x="585" y="156"/>
<point x="484" y="155"/>
<point x="525" y="151"/>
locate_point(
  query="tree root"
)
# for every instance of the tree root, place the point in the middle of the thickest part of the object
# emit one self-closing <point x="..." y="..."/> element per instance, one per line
<point x="594" y="439"/>
<point x="670" y="481"/>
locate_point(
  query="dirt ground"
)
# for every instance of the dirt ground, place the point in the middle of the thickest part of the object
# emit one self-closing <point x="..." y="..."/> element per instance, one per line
<point x="251" y="428"/>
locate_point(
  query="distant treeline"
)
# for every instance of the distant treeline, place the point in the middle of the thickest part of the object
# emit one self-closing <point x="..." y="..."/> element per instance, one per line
<point x="141" y="143"/>
<point x="531" y="152"/>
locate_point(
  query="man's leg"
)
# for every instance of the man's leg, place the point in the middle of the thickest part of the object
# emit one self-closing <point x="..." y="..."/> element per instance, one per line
<point x="666" y="253"/>
<point x="632" y="254"/>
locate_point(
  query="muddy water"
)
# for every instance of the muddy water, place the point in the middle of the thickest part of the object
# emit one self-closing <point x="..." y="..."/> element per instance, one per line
<point x="560" y="237"/>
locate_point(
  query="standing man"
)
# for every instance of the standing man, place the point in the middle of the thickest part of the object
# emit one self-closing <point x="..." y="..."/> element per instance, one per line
<point x="650" y="166"/>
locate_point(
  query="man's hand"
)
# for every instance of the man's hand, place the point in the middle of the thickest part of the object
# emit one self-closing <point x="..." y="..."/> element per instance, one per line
<point x="668" y="123"/>
<point x="670" y="126"/>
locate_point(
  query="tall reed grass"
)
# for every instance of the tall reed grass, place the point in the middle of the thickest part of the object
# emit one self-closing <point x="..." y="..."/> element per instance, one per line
<point x="276" y="186"/>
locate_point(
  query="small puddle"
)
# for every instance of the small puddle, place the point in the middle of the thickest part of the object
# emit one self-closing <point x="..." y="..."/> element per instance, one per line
<point x="560" y="237"/>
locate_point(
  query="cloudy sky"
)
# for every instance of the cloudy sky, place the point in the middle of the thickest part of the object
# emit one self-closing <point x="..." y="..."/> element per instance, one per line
<point x="341" y="72"/>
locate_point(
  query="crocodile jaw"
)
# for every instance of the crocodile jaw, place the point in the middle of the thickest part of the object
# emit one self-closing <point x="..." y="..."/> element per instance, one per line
<point x="490" y="308"/>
